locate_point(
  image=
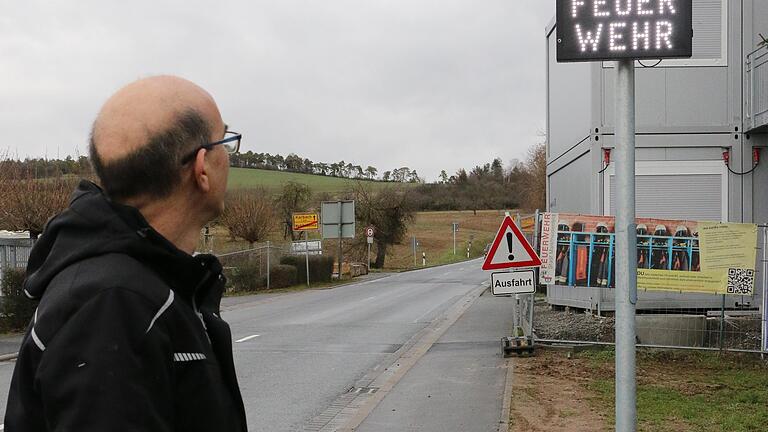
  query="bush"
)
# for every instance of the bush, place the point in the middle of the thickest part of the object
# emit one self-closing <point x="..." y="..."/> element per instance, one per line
<point x="245" y="276"/>
<point x="16" y="310"/>
<point x="282" y="276"/>
<point x="320" y="267"/>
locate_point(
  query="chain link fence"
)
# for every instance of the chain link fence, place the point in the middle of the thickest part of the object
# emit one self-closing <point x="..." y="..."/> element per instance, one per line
<point x="571" y="314"/>
<point x="14" y="253"/>
<point x="250" y="269"/>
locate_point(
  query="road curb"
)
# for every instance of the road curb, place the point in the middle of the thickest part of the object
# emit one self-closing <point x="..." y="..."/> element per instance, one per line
<point x="506" y="404"/>
<point x="7" y="357"/>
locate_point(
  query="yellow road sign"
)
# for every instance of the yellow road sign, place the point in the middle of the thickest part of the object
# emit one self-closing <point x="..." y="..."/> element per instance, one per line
<point x="306" y="221"/>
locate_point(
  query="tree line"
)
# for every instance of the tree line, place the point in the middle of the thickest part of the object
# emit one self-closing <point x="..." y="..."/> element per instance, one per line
<point x="342" y="169"/>
<point x="33" y="190"/>
<point x="522" y="184"/>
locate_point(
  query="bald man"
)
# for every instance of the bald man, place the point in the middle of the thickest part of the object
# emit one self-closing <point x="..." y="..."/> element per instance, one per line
<point x="128" y="335"/>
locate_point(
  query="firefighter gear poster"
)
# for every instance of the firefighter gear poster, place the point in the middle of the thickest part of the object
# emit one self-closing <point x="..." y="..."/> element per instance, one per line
<point x="672" y="255"/>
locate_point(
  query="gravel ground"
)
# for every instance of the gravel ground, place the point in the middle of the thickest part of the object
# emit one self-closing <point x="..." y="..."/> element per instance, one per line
<point x="569" y="325"/>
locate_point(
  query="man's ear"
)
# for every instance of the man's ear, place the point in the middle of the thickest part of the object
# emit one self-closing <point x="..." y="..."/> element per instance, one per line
<point x="201" y="178"/>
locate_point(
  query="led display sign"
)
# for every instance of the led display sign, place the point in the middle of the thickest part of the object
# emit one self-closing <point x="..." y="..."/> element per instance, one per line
<point x="589" y="30"/>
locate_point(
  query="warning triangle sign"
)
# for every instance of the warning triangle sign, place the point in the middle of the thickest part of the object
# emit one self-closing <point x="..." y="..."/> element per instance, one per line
<point x="510" y="249"/>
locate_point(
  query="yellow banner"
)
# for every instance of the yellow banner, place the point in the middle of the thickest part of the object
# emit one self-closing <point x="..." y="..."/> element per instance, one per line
<point x="728" y="254"/>
<point x="666" y="280"/>
<point x="727" y="245"/>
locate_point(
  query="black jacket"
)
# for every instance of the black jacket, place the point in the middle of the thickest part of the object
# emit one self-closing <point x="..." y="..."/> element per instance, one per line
<point x="127" y="335"/>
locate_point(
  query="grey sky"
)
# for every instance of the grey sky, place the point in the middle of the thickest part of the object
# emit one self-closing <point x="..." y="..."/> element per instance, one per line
<point x="431" y="85"/>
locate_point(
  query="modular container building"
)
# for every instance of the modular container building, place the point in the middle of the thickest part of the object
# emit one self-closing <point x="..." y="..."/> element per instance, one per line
<point x="688" y="113"/>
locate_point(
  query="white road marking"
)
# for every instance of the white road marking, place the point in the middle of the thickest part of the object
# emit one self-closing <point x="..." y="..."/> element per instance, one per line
<point x="247" y="338"/>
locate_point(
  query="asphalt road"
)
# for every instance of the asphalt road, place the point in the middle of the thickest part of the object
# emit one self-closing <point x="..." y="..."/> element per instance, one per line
<point x="296" y="354"/>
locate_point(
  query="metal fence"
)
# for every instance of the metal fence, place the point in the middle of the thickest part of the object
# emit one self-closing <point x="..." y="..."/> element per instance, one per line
<point x="14" y="253"/>
<point x="261" y="258"/>
<point x="665" y="320"/>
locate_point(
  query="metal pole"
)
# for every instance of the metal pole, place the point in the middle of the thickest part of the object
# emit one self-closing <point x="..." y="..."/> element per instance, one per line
<point x="413" y="247"/>
<point x="765" y="290"/>
<point x="369" y="256"/>
<point x="626" y="249"/>
<point x="268" y="251"/>
<point x="341" y="219"/>
<point x="306" y="250"/>
<point x="722" y="324"/>
<point x="453" y="227"/>
<point x="530" y="316"/>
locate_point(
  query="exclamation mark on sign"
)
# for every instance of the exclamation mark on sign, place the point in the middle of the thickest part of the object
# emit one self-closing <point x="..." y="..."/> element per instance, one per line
<point x="510" y="239"/>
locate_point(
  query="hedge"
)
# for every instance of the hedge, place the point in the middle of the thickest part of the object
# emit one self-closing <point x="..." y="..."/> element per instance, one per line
<point x="246" y="276"/>
<point x="17" y="309"/>
<point x="282" y="276"/>
<point x="320" y="267"/>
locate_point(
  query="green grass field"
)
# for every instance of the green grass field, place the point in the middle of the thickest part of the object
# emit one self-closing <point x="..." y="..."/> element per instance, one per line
<point x="274" y="180"/>
<point x="689" y="391"/>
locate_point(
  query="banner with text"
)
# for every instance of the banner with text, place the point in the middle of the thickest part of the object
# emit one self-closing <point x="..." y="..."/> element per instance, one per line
<point x="672" y="255"/>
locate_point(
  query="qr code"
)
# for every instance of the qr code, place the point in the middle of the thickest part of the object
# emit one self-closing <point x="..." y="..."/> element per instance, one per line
<point x="741" y="281"/>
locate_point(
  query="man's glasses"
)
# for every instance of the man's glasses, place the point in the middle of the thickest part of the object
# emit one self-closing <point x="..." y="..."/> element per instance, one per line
<point x="231" y="145"/>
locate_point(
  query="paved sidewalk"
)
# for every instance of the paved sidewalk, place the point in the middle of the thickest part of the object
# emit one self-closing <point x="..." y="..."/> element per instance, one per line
<point x="459" y="383"/>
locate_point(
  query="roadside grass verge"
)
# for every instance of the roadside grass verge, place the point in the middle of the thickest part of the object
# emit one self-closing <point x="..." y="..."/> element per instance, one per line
<point x="688" y="391"/>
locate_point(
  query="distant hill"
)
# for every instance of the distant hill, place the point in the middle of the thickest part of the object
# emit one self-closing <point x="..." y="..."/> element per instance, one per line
<point x="248" y="178"/>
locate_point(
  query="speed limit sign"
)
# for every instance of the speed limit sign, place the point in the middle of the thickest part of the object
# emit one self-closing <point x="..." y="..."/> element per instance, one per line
<point x="369" y="231"/>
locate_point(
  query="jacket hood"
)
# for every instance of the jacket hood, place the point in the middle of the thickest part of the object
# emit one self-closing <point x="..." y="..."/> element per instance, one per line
<point x="94" y="225"/>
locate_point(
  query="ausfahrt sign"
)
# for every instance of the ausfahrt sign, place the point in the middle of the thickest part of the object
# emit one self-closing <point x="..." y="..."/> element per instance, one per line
<point x="589" y="30"/>
<point x="515" y="282"/>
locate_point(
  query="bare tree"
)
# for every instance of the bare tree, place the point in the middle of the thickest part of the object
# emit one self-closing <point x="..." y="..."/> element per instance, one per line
<point x="535" y="177"/>
<point x="27" y="202"/>
<point x="389" y="210"/>
<point x="249" y="215"/>
<point x="292" y="199"/>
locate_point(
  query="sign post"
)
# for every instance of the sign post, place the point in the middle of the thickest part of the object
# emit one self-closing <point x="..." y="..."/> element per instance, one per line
<point x="511" y="250"/>
<point x="369" y="232"/>
<point x="624" y="30"/>
<point x="306" y="222"/>
<point x="338" y="221"/>
<point x="626" y="249"/>
<point x="454" y="228"/>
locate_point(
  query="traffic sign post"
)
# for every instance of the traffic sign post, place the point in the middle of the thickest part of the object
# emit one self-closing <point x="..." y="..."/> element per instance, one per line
<point x="511" y="250"/>
<point x="307" y="221"/>
<point x="369" y="232"/>
<point x="604" y="30"/>
<point x="338" y="221"/>
<point x="454" y="230"/>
